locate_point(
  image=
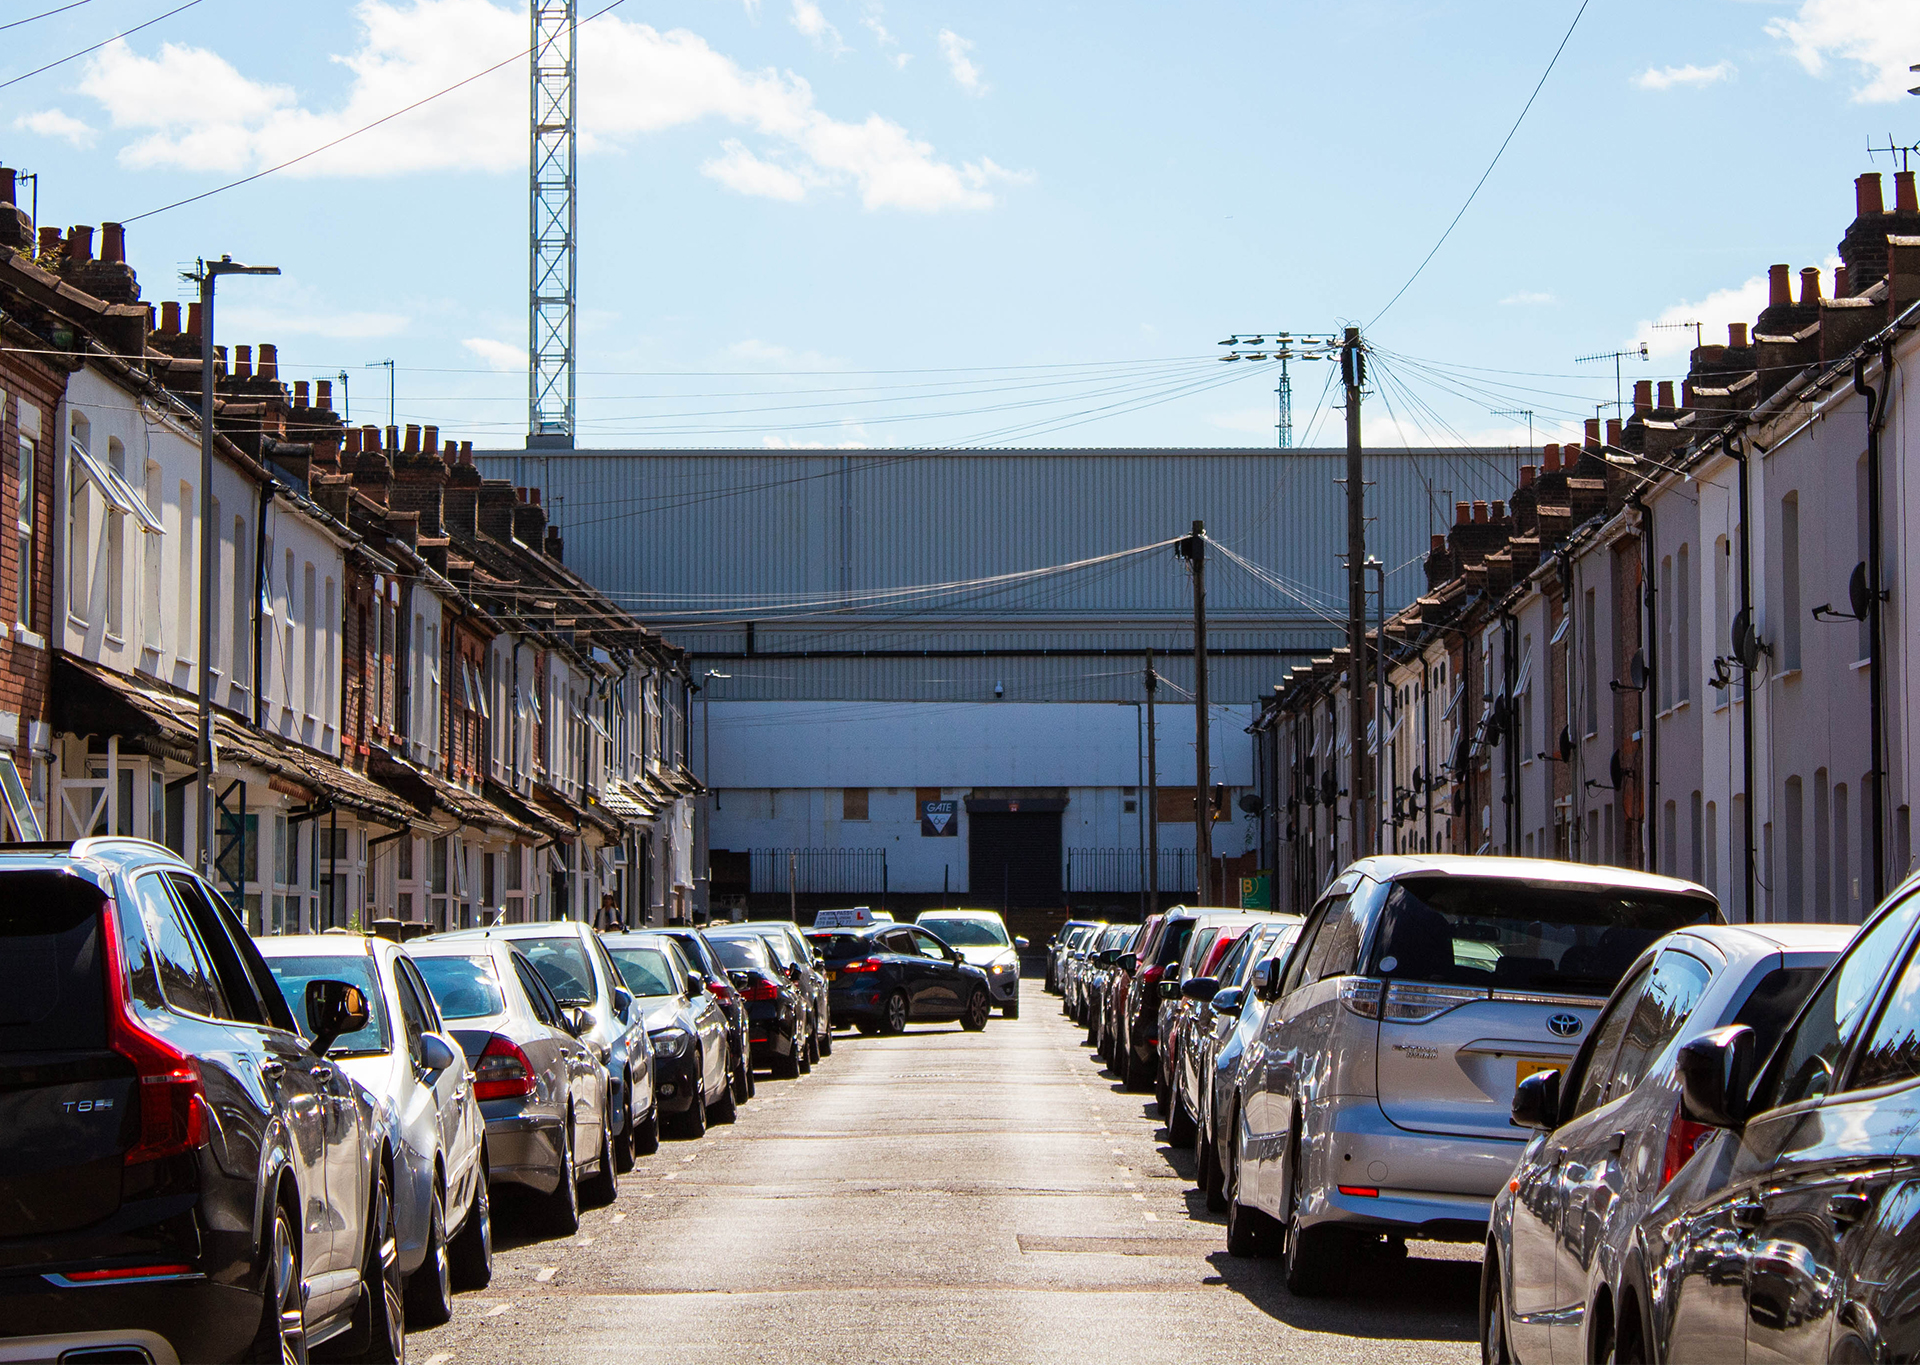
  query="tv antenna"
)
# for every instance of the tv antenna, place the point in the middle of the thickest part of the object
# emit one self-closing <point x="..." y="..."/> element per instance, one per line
<point x="1616" y="357"/>
<point x="1698" y="341"/>
<point x="1893" y="149"/>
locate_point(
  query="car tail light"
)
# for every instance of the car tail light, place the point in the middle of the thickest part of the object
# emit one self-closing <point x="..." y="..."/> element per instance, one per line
<point x="503" y="1071"/>
<point x="1411" y="1003"/>
<point x="131" y="1272"/>
<point x="1149" y="975"/>
<point x="1682" y="1138"/>
<point x="865" y="964"/>
<point x="1360" y="1191"/>
<point x="722" y="988"/>
<point x="173" y="1104"/>
<point x="1361" y="996"/>
<point x="759" y="988"/>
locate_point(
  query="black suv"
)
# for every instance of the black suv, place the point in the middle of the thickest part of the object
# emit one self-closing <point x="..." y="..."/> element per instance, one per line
<point x="183" y="1174"/>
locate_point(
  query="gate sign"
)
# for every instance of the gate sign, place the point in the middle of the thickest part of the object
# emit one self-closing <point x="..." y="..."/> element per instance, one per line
<point x="938" y="819"/>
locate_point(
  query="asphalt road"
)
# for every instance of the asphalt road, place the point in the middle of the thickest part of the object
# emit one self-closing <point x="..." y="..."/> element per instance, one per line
<point x="941" y="1196"/>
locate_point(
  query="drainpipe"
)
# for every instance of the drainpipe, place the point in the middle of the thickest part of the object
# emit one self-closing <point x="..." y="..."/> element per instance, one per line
<point x="1426" y="749"/>
<point x="1649" y="709"/>
<point x="1510" y="743"/>
<point x="1876" y="597"/>
<point x="267" y="490"/>
<point x="1736" y="446"/>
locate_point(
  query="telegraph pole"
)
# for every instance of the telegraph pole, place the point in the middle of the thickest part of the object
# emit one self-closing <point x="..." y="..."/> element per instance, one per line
<point x="1195" y="550"/>
<point x="1153" y="798"/>
<point x="1353" y="372"/>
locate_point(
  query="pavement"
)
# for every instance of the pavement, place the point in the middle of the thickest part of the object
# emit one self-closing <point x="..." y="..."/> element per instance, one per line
<point x="942" y="1196"/>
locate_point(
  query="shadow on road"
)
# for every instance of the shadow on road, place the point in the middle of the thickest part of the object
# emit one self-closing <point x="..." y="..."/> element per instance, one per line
<point x="1388" y="1298"/>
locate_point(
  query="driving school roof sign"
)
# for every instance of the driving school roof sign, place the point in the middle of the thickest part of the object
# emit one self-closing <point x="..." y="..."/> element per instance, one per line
<point x="939" y="819"/>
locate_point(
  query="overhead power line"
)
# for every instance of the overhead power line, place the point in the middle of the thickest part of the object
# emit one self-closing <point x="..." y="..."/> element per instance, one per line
<point x="1490" y="165"/>
<point x="75" y="56"/>
<point x="46" y="14"/>
<point x="344" y="137"/>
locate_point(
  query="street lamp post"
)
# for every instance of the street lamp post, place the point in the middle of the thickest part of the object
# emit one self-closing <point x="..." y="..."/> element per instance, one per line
<point x="206" y="275"/>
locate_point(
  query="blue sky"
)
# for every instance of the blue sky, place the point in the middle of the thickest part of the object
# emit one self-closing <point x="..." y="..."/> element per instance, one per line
<point x="845" y="222"/>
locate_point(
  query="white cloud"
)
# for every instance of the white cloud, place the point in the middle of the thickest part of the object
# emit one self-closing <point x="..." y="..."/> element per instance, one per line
<point x="782" y="443"/>
<point x="1666" y="77"/>
<point x="1528" y="297"/>
<point x="1880" y="37"/>
<point x="809" y="20"/>
<point x="965" y="73"/>
<point x="883" y="39"/>
<point x="54" y="123"/>
<point x="739" y="169"/>
<point x="774" y="357"/>
<point x="1666" y="336"/>
<point x="188" y="108"/>
<point x="498" y="355"/>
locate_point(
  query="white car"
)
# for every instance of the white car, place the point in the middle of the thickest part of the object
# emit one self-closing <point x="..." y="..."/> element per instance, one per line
<point x="980" y="936"/>
<point x="418" y="1076"/>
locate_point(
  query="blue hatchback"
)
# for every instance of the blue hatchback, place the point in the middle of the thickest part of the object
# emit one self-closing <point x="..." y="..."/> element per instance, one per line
<point x="882" y="977"/>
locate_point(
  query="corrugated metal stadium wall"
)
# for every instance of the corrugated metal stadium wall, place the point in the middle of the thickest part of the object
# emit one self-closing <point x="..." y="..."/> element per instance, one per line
<point x="676" y="530"/>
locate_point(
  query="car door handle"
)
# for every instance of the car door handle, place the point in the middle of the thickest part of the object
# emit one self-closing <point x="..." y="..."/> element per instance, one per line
<point x="1616" y="1143"/>
<point x="322" y="1073"/>
<point x="1748" y="1213"/>
<point x="1847" y="1209"/>
<point x="273" y="1070"/>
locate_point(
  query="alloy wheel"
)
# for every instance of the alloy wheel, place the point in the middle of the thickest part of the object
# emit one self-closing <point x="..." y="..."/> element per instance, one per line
<point x="897" y="1012"/>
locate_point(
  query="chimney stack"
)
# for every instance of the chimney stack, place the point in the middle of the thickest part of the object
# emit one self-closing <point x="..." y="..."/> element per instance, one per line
<point x="113" y="243"/>
<point x="170" y="317"/>
<point x="323" y="394"/>
<point x="1462" y="513"/>
<point x="1642" y="397"/>
<point x="1666" y="394"/>
<point x="243" y="362"/>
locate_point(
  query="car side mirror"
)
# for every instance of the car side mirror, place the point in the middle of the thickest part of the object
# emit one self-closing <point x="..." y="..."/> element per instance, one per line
<point x="622" y="1001"/>
<point x="793" y="971"/>
<point x="334" y="1008"/>
<point x="436" y="1053"/>
<point x="1020" y="945"/>
<point x="1716" y="1071"/>
<point x="1201" y="988"/>
<point x="577" y="1020"/>
<point x="695" y="986"/>
<point x="1169" y="990"/>
<point x="1266" y="979"/>
<point x="1229" y="1000"/>
<point x="1129" y="963"/>
<point x="1536" y="1101"/>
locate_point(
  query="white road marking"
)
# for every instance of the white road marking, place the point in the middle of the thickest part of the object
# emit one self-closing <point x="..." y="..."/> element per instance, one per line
<point x="1141" y="1197"/>
<point x="545" y="1273"/>
<point x="440" y="1358"/>
<point x="1151" y="1217"/>
<point x="497" y="1310"/>
<point x="619" y="1217"/>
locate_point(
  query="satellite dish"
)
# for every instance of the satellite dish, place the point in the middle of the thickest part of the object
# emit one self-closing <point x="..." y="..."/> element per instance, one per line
<point x="1859" y="597"/>
<point x="1459" y="761"/>
<point x="1566" y="744"/>
<point x="1746" y="641"/>
<point x="1617" y="771"/>
<point x="1329" y="789"/>
<point x="1501" y="718"/>
<point x="1637" y="670"/>
<point x="1418" y="779"/>
<point x="1250" y="803"/>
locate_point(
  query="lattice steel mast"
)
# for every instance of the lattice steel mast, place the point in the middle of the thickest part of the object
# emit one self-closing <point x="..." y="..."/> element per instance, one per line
<point x="553" y="167"/>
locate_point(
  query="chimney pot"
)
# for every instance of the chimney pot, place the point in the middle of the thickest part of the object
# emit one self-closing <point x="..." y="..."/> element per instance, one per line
<point x="1526" y="475"/>
<point x="1842" y="282"/>
<point x="1593" y="433"/>
<point x="170" y="318"/>
<point x="193" y="318"/>
<point x="1613" y="431"/>
<point x="79" y="243"/>
<point x="300" y="393"/>
<point x="1736" y="336"/>
<point x="1642" y="397"/>
<point x="1809" y="286"/>
<point x="269" y="361"/>
<point x="1498" y="510"/>
<point x="1666" y="393"/>
<point x="1779" y="286"/>
<point x="1904" y="200"/>
<point x="353" y="439"/>
<point x="113" y="243"/>
<point x="6" y="184"/>
<point x="1439" y="544"/>
<point x="370" y="439"/>
<point x="413" y="439"/>
<point x="243" y="362"/>
<point x="1479" y="511"/>
<point x="50" y="243"/>
<point x="1462" y="513"/>
<point x="430" y="440"/>
<point x="1866" y="195"/>
<point x="323" y="394"/>
<point x="533" y="496"/>
<point x="466" y="452"/>
<point x="1550" y="452"/>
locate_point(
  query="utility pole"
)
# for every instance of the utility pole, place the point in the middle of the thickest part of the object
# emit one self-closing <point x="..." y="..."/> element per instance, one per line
<point x="1153" y="798"/>
<point x="1353" y="372"/>
<point x="552" y="222"/>
<point x="1194" y="550"/>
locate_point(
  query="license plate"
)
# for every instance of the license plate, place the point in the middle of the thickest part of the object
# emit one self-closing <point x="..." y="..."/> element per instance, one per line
<point x="833" y="976"/>
<point x="1525" y="1068"/>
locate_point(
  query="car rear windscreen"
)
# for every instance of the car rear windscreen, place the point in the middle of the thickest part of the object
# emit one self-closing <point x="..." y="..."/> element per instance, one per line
<point x="1514" y="935"/>
<point x="740" y="954"/>
<point x="462" y="987"/>
<point x="51" y="993"/>
<point x="645" y="970"/>
<point x="837" y="947"/>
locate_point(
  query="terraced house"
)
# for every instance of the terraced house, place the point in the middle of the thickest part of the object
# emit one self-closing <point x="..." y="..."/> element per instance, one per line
<point x="420" y="714"/>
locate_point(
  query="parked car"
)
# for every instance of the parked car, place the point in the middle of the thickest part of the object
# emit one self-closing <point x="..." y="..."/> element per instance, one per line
<point x="886" y="976"/>
<point x="1791" y="1224"/>
<point x="576" y="968"/>
<point x="1215" y="1069"/>
<point x="791" y="949"/>
<point x="1091" y="971"/>
<point x="543" y="1092"/>
<point x="1375" y="1101"/>
<point x="706" y="961"/>
<point x="1219" y="955"/>
<point x="1057" y="951"/>
<point x="686" y="1027"/>
<point x="424" y="1093"/>
<point x="1072" y="953"/>
<point x="1212" y="937"/>
<point x="982" y="939"/>
<point x="188" y="1177"/>
<point x="1612" y="1133"/>
<point x="1137" y="1047"/>
<point x="777" y="1006"/>
<point x="1111" y="982"/>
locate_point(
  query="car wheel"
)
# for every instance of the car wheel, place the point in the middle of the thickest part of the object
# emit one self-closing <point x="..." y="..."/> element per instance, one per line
<point x="803" y="1054"/>
<point x="283" y="1321"/>
<point x="646" y="1138"/>
<point x="1162" y="1096"/>
<point x="1493" y="1314"/>
<point x="603" y="1186"/>
<point x="726" y="1109"/>
<point x="471" y="1254"/>
<point x="561" y="1209"/>
<point x="1206" y="1162"/>
<point x="1011" y="1010"/>
<point x="383" y="1303"/>
<point x="788" y="1066"/>
<point x="1312" y="1262"/>
<point x="979" y="1010"/>
<point x="742" y="1079"/>
<point x="1249" y="1231"/>
<point x="693" y="1123"/>
<point x="867" y="1027"/>
<point x="623" y="1145"/>
<point x="826" y="1042"/>
<point x="430" y="1288"/>
<point x="1180" y="1125"/>
<point x="1134" y="1070"/>
<point x="895" y="1020"/>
